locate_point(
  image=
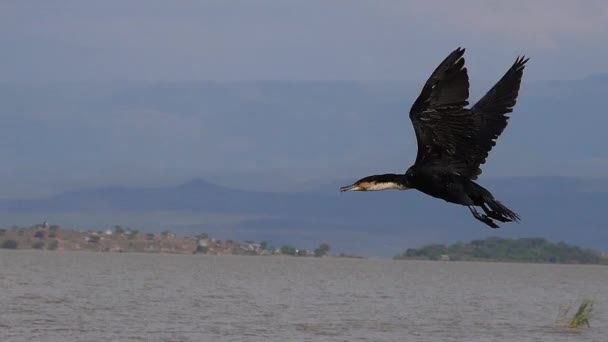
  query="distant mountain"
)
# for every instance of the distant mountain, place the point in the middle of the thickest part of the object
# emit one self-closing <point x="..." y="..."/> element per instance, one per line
<point x="368" y="223"/>
<point x="269" y="135"/>
<point x="302" y="138"/>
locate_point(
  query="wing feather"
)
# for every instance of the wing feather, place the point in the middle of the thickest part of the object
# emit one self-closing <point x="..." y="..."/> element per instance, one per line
<point x="491" y="114"/>
<point x="451" y="136"/>
<point x="446" y="91"/>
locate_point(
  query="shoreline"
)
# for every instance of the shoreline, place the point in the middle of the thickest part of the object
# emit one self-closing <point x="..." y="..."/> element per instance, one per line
<point x="289" y="257"/>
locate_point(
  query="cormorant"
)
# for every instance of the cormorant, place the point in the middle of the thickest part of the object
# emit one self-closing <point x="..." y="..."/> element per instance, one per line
<point x="454" y="141"/>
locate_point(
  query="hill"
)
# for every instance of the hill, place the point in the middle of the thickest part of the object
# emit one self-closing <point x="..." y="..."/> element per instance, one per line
<point x="362" y="223"/>
<point x="514" y="250"/>
<point x="273" y="153"/>
<point x="268" y="135"/>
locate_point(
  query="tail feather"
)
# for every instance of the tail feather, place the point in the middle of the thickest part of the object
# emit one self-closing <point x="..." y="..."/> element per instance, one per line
<point x="501" y="213"/>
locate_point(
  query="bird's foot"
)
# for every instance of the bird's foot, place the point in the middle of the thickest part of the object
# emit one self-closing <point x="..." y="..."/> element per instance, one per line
<point x="483" y="218"/>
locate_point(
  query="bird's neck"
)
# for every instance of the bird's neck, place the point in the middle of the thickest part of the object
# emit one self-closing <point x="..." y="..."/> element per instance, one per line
<point x="390" y="182"/>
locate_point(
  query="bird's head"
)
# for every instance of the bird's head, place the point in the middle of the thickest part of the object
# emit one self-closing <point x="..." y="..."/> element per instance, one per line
<point x="378" y="183"/>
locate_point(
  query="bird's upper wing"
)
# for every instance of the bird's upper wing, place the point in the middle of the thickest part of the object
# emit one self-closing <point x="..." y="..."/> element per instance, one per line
<point x="436" y="113"/>
<point x="460" y="139"/>
<point x="490" y="115"/>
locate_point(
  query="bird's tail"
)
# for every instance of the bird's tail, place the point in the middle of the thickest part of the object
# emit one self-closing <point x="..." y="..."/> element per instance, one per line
<point x="499" y="212"/>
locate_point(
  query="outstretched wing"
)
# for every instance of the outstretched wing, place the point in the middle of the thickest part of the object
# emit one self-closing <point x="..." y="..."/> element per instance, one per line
<point x="460" y="139"/>
<point x="490" y="115"/>
<point x="435" y="113"/>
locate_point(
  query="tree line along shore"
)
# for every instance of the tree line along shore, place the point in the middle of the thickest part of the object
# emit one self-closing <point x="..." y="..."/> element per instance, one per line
<point x="535" y="250"/>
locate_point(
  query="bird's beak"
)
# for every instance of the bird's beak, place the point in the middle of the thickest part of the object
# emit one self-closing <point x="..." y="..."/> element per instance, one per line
<point x="353" y="187"/>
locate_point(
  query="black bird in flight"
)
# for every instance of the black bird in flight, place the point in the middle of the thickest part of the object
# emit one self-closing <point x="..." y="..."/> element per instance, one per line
<point x="454" y="141"/>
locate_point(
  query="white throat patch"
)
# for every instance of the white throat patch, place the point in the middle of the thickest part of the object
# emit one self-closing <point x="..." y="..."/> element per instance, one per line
<point x="384" y="186"/>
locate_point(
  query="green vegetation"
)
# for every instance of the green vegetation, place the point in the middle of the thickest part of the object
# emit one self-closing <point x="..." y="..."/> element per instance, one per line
<point x="9" y="244"/>
<point x="322" y="250"/>
<point x="133" y="234"/>
<point x="288" y="250"/>
<point x="119" y="230"/>
<point x="581" y="317"/>
<point x="38" y="245"/>
<point x="202" y="236"/>
<point x="53" y="245"/>
<point x="499" y="249"/>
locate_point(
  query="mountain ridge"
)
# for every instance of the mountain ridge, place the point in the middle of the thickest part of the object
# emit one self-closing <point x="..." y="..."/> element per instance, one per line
<point x="402" y="216"/>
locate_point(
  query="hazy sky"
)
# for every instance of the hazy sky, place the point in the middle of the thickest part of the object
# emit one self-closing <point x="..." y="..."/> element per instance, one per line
<point x="54" y="137"/>
<point x="309" y="39"/>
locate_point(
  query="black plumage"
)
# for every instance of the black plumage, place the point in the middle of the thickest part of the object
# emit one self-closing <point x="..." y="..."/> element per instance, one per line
<point x="453" y="141"/>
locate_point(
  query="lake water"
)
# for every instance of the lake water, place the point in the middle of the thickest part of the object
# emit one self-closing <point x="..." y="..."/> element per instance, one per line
<point x="74" y="296"/>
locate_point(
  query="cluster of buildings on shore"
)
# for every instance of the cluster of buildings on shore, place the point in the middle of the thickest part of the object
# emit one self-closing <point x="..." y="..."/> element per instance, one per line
<point x="45" y="236"/>
<point x="228" y="247"/>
